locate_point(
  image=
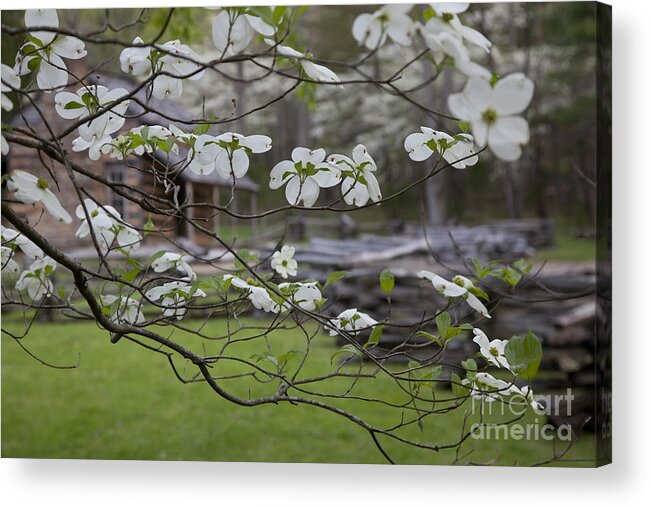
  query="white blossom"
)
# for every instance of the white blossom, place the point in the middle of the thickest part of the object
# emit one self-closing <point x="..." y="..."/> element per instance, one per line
<point x="88" y="100"/>
<point x="9" y="265"/>
<point x="372" y="30"/>
<point x="304" y="175"/>
<point x="491" y="350"/>
<point x="233" y="31"/>
<point x="352" y="321"/>
<point x="35" y="280"/>
<point x="227" y="154"/>
<point x="305" y="295"/>
<point x="107" y="225"/>
<point x="30" y="190"/>
<point x="18" y="240"/>
<point x="171" y="260"/>
<point x="175" y="296"/>
<point x="449" y="44"/>
<point x="258" y="296"/>
<point x="47" y="51"/>
<point x="460" y="286"/>
<point x="457" y="151"/>
<point x="487" y="388"/>
<point x="313" y="70"/>
<point x="175" y="60"/>
<point x="283" y="262"/>
<point x="359" y="183"/>
<point x="127" y="310"/>
<point x="493" y="113"/>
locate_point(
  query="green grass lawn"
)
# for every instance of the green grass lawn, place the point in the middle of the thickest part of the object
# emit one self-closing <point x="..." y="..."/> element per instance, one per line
<point x="123" y="402"/>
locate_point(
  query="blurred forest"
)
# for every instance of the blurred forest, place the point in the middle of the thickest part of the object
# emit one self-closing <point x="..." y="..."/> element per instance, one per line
<point x="553" y="43"/>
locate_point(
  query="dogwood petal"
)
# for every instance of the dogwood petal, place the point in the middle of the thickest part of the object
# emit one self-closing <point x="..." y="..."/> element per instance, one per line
<point x="53" y="206"/>
<point x="256" y="143"/>
<point x="328" y="177"/>
<point x="512" y="94"/>
<point x="448" y="289"/>
<point x="477" y="305"/>
<point x="302" y="193"/>
<point x="372" y="186"/>
<point x="69" y="47"/>
<point x="305" y="155"/>
<point x="471" y="35"/>
<point x="52" y="74"/>
<point x="449" y="7"/>
<point x="280" y="173"/>
<point x="260" y="26"/>
<point x="400" y="29"/>
<point x="416" y="146"/>
<point x="354" y="193"/>
<point x="42" y="17"/>
<point x="479" y="94"/>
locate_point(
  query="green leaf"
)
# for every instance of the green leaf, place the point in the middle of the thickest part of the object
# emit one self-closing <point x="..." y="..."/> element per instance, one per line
<point x="443" y="323"/>
<point x="387" y="282"/>
<point x="131" y="275"/>
<point x="430" y="336"/>
<point x="524" y="354"/>
<point x="73" y="105"/>
<point x="469" y="365"/>
<point x="334" y="276"/>
<point x="375" y="337"/>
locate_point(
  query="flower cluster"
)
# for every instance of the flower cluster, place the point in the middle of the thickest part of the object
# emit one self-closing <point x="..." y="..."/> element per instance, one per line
<point x="107" y="226"/>
<point x="95" y="135"/>
<point x="308" y="171"/>
<point x="35" y="280"/>
<point x="11" y="241"/>
<point x="283" y="262"/>
<point x="172" y="62"/>
<point x="123" y="309"/>
<point x="44" y="51"/>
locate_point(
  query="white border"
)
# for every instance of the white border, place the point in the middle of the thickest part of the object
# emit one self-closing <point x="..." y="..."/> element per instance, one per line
<point x="69" y="483"/>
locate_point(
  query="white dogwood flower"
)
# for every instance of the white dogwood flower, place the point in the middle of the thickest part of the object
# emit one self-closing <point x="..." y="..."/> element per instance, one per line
<point x="283" y="262"/>
<point x="493" y="113"/>
<point x="460" y="286"/>
<point x="124" y="309"/>
<point x="351" y="321"/>
<point x="233" y="31"/>
<point x="35" y="280"/>
<point x="170" y="260"/>
<point x="15" y="239"/>
<point x="233" y="160"/>
<point x="458" y="150"/>
<point x="304" y="175"/>
<point x="445" y="19"/>
<point x="313" y="70"/>
<point x="487" y="388"/>
<point x="527" y="393"/>
<point x="305" y="295"/>
<point x="30" y="190"/>
<point x="258" y="296"/>
<point x="449" y="44"/>
<point x="175" y="297"/>
<point x="372" y="30"/>
<point x="135" y="60"/>
<point x="359" y="183"/>
<point x="491" y="350"/>
<point x="107" y="225"/>
<point x="175" y="60"/>
<point x="46" y="50"/>
<point x="88" y="100"/>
